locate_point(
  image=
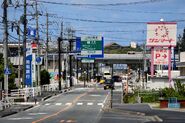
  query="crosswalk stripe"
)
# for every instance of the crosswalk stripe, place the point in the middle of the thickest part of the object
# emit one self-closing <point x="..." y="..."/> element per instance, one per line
<point x="79" y="104"/>
<point x="47" y="104"/>
<point x="68" y="104"/>
<point x="100" y="104"/>
<point x="58" y="104"/>
<point x="89" y="103"/>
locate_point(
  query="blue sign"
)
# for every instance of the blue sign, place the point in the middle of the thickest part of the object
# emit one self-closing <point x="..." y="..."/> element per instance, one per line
<point x="38" y="59"/>
<point x="28" y="81"/>
<point x="79" y="45"/>
<point x="31" y="32"/>
<point x="7" y="71"/>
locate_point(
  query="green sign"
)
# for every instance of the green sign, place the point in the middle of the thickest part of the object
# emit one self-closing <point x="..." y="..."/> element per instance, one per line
<point x="87" y="60"/>
<point x="91" y="45"/>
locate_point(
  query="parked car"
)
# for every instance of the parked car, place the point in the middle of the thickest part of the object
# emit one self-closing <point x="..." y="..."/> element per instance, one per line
<point x="108" y="84"/>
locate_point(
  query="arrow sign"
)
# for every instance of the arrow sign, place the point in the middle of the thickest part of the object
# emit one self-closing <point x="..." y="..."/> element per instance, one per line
<point x="164" y="56"/>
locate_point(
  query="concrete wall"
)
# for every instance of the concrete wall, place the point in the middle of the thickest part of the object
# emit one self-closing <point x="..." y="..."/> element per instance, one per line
<point x="157" y="83"/>
<point x="182" y="57"/>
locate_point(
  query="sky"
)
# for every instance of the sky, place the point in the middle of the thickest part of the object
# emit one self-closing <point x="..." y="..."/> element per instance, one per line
<point x="120" y="21"/>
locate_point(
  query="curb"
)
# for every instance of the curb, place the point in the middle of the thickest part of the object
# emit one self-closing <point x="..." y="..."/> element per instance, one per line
<point x="11" y="112"/>
<point x="157" y="118"/>
<point x="127" y="112"/>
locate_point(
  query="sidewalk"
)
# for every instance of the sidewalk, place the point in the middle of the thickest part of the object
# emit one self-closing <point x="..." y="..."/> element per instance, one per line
<point x="120" y="113"/>
<point x="156" y="106"/>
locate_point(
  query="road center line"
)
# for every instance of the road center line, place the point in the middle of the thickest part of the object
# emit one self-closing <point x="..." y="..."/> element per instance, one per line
<point x="63" y="109"/>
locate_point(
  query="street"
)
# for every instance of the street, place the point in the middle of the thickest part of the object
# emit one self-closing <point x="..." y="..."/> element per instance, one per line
<point x="80" y="105"/>
<point x="91" y="105"/>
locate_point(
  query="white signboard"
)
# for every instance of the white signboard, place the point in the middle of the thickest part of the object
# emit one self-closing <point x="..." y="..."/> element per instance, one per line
<point x="161" y="56"/>
<point x="161" y="34"/>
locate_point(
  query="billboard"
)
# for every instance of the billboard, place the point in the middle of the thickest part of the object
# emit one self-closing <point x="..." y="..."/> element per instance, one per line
<point x="161" y="56"/>
<point x="161" y="34"/>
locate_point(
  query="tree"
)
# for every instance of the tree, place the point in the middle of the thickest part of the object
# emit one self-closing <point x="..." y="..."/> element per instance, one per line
<point x="11" y="77"/>
<point x="181" y="43"/>
<point x="45" y="77"/>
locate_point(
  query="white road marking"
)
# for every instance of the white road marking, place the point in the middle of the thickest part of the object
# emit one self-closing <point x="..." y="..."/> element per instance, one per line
<point x="95" y="95"/>
<point x="89" y="103"/>
<point x="58" y="104"/>
<point x="100" y="104"/>
<point x="68" y="104"/>
<point x="37" y="113"/>
<point x="79" y="104"/>
<point x="47" y="104"/>
<point x="21" y="118"/>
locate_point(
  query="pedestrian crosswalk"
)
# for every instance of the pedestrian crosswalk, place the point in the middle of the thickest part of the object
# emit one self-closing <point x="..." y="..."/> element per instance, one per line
<point x="78" y="104"/>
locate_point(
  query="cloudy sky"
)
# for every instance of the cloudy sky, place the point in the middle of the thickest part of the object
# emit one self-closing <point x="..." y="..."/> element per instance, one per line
<point x="120" y="21"/>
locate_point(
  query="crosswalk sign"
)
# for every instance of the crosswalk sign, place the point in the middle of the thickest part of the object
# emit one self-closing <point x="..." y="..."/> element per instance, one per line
<point x="7" y="71"/>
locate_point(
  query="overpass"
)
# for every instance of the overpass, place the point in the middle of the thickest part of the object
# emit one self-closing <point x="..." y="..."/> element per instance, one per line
<point x="123" y="58"/>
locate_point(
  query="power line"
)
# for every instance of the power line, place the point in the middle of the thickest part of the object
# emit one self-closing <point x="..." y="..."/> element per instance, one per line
<point x="97" y="4"/>
<point x="133" y="11"/>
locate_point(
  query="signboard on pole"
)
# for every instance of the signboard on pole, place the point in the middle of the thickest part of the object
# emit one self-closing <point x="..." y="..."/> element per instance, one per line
<point x="161" y="56"/>
<point x="87" y="60"/>
<point x="28" y="81"/>
<point x="161" y="34"/>
<point x="92" y="46"/>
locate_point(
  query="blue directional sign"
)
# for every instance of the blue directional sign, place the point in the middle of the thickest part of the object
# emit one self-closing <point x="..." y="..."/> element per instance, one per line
<point x="7" y="71"/>
<point x="90" y="47"/>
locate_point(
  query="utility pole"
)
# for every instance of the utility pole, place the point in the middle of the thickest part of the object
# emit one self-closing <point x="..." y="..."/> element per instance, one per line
<point x="70" y="38"/>
<point x="59" y="56"/>
<point x="38" y="46"/>
<point x="144" y="66"/>
<point x="24" y="41"/>
<point x="70" y="63"/>
<point x="47" y="40"/>
<point x="5" y="45"/>
<point x="19" y="54"/>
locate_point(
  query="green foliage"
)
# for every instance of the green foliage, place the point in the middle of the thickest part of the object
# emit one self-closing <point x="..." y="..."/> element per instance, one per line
<point x="178" y="92"/>
<point x="181" y="43"/>
<point x="45" y="77"/>
<point x="11" y="77"/>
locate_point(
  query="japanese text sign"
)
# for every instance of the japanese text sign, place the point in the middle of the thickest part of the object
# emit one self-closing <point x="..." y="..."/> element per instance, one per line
<point x="161" y="34"/>
<point x="161" y="56"/>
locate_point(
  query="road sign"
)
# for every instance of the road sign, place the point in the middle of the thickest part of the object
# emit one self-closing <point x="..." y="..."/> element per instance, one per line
<point x="161" y="34"/>
<point x="92" y="46"/>
<point x="39" y="60"/>
<point x="87" y="60"/>
<point x="161" y="56"/>
<point x="31" y="32"/>
<point x="7" y="71"/>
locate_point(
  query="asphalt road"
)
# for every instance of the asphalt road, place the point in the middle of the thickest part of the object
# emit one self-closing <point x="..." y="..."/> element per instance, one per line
<point x="79" y="106"/>
<point x="85" y="105"/>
